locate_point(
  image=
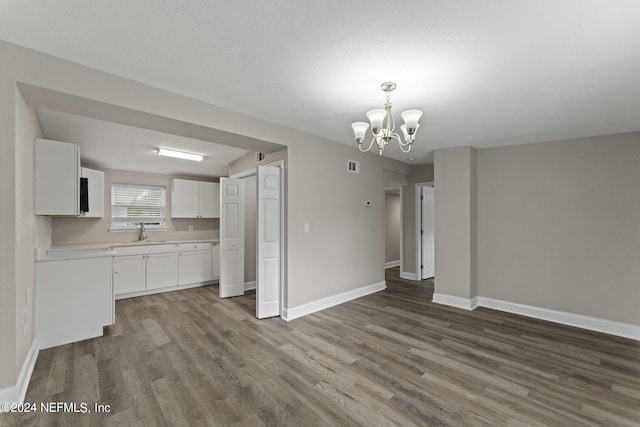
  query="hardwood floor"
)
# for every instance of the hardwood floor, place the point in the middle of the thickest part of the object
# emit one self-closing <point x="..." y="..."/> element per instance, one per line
<point x="391" y="358"/>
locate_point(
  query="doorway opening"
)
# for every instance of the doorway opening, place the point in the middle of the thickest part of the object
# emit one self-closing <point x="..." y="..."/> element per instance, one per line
<point x="252" y="236"/>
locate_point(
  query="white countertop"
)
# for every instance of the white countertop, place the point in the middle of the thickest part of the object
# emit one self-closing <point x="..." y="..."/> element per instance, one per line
<point x="93" y="250"/>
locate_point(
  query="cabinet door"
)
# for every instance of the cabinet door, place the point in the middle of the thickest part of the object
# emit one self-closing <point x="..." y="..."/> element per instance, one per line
<point x="162" y="270"/>
<point x="209" y="195"/>
<point x="184" y="198"/>
<point x="128" y="274"/>
<point x="96" y="193"/>
<point x="56" y="178"/>
<point x="194" y="267"/>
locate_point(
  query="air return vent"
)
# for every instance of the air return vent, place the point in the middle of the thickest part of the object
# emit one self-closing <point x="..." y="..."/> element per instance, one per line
<point x="260" y="157"/>
<point x="353" y="166"/>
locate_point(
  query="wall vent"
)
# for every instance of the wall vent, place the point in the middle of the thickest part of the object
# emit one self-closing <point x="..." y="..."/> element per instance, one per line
<point x="260" y="157"/>
<point x="353" y="166"/>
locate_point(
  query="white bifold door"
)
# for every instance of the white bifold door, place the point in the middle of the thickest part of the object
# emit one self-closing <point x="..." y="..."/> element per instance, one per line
<point x="268" y="274"/>
<point x="231" y="237"/>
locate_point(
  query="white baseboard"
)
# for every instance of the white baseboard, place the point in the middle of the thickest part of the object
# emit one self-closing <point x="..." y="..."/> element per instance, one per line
<point x="454" y="301"/>
<point x="249" y="285"/>
<point x="16" y="393"/>
<point x="625" y="330"/>
<point x="610" y="327"/>
<point x="392" y="264"/>
<point x="321" y="304"/>
<point x="163" y="290"/>
<point x="408" y="276"/>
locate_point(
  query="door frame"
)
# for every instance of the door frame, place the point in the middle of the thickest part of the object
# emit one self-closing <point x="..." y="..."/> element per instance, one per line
<point x="401" y="225"/>
<point x="418" y="225"/>
<point x="252" y="172"/>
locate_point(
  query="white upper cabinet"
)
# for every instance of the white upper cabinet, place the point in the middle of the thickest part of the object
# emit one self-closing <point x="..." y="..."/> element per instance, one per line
<point x="194" y="199"/>
<point x="57" y="178"/>
<point x="209" y="196"/>
<point x="96" y="193"/>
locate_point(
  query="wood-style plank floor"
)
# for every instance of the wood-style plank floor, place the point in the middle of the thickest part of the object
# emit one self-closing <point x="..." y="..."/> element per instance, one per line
<point x="188" y="358"/>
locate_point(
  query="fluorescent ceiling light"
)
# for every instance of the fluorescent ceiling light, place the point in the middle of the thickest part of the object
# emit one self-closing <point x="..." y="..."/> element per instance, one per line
<point x="180" y="154"/>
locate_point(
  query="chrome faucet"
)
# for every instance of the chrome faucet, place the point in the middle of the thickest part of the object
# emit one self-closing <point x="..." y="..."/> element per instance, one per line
<point x="143" y="235"/>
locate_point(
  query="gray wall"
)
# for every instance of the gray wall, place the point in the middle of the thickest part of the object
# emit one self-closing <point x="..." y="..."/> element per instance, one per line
<point x="250" y="225"/>
<point x="559" y="225"/>
<point x="31" y="231"/>
<point x="96" y="230"/>
<point x="455" y="222"/>
<point x="392" y="227"/>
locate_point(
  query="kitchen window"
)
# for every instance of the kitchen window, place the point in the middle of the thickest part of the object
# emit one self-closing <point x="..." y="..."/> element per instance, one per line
<point x="132" y="204"/>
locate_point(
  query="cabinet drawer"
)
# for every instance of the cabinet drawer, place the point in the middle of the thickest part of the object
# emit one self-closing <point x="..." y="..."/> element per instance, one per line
<point x="143" y="249"/>
<point x="186" y="247"/>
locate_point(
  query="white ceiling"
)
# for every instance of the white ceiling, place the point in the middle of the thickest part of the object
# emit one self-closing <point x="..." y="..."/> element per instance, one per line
<point x="486" y="73"/>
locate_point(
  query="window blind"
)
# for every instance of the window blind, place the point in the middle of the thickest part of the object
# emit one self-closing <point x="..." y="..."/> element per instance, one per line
<point x="132" y="204"/>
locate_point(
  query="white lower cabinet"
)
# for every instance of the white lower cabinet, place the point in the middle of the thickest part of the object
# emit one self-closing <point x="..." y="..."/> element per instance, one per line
<point x="73" y="299"/>
<point x="150" y="268"/>
<point x="141" y="268"/>
<point x="194" y="263"/>
<point x="161" y="270"/>
<point x="129" y="274"/>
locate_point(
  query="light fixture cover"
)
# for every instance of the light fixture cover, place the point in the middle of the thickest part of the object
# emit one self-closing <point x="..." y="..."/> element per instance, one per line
<point x="376" y="117"/>
<point x="411" y="118"/>
<point x="359" y="129"/>
<point x="180" y="154"/>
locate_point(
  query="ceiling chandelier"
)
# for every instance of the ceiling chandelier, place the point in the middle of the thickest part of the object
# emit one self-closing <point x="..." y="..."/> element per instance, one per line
<point x="383" y="129"/>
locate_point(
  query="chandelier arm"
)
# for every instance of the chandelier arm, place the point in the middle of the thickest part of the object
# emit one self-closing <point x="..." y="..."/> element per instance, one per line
<point x="370" y="145"/>
<point x="405" y="145"/>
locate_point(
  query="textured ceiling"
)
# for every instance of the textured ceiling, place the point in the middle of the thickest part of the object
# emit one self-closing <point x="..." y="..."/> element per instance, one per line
<point x="486" y="73"/>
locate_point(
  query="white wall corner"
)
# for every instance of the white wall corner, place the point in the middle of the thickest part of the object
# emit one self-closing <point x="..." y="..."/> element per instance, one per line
<point x="408" y="276"/>
<point x="16" y="393"/>
<point x="392" y="264"/>
<point x="625" y="330"/>
<point x="454" y="301"/>
<point x="324" y="303"/>
<point x="248" y="286"/>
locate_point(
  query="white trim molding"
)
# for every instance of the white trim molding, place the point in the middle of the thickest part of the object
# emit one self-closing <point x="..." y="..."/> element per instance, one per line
<point x="390" y="264"/>
<point x="16" y="393"/>
<point x="454" y="301"/>
<point x="625" y="330"/>
<point x="248" y="286"/>
<point x="610" y="327"/>
<point x="408" y="276"/>
<point x="324" y="303"/>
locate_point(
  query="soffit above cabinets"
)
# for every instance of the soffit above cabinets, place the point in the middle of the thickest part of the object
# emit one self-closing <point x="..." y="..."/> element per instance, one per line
<point x="111" y="145"/>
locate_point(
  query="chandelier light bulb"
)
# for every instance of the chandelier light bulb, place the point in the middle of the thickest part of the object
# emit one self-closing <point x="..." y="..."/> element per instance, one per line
<point x="407" y="137"/>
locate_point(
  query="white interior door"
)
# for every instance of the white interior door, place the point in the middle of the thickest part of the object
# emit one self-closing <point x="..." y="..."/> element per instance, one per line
<point x="428" y="235"/>
<point x="231" y="237"/>
<point x="268" y="253"/>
